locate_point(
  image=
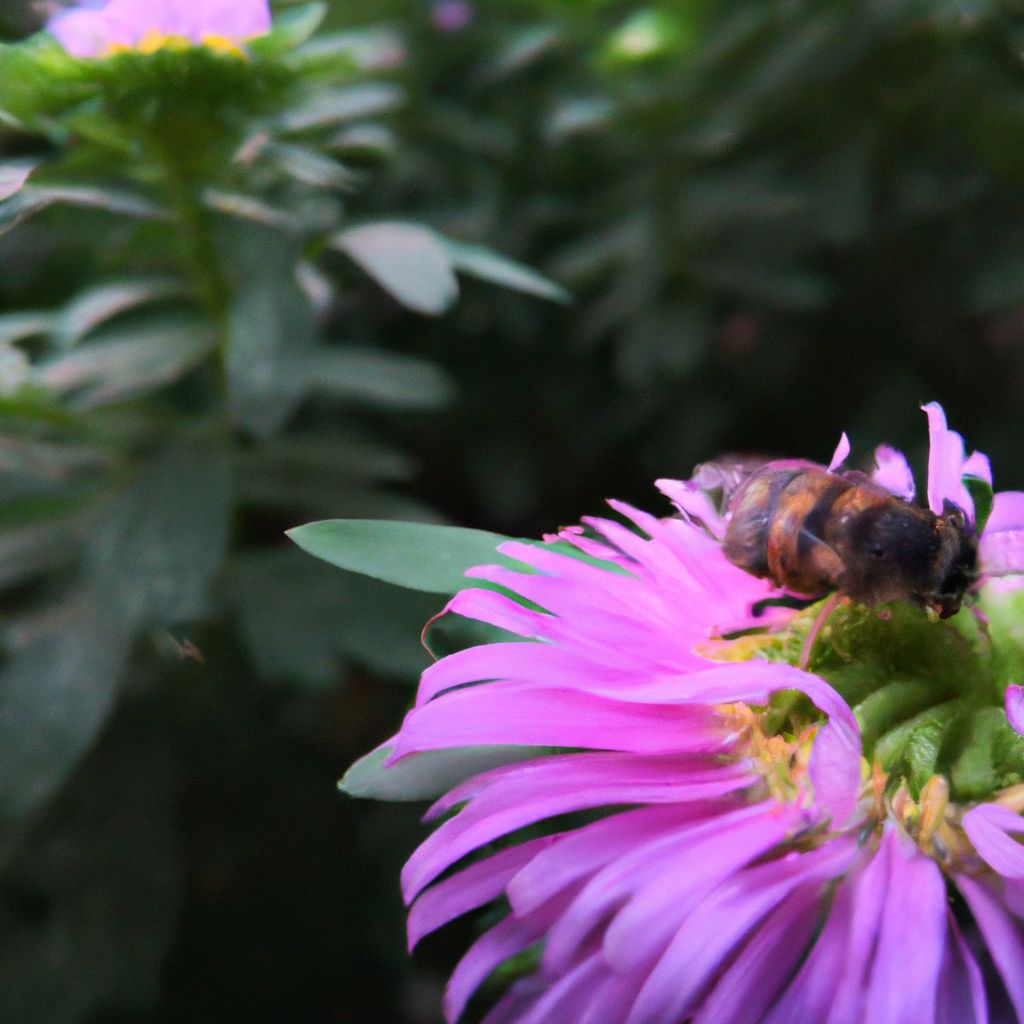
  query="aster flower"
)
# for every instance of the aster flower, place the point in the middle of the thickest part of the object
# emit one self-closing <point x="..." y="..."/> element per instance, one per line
<point x="95" y="29"/>
<point x="731" y="838"/>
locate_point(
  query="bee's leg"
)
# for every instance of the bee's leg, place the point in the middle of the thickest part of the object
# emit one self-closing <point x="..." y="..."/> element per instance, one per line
<point x="812" y="634"/>
<point x="981" y="619"/>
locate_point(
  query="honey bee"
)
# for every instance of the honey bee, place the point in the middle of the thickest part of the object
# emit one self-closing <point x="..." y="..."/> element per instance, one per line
<point x="811" y="531"/>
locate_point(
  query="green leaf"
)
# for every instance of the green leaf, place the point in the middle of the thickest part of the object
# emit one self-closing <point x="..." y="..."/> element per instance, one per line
<point x="162" y="540"/>
<point x="313" y="168"/>
<point x="14" y="174"/>
<point x="407" y="260"/>
<point x="427" y="775"/>
<point x="271" y="332"/>
<point x="981" y="491"/>
<point x="127" y="361"/>
<point x="32" y="199"/>
<point x="55" y="693"/>
<point x="385" y="379"/>
<point x="87" y="310"/>
<point x="328" y="107"/>
<point x="490" y="266"/>
<point x="20" y="326"/>
<point x="419" y="556"/>
<point x="292" y="27"/>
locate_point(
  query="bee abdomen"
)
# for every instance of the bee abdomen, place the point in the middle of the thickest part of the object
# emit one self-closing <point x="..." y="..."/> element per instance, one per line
<point x="776" y="527"/>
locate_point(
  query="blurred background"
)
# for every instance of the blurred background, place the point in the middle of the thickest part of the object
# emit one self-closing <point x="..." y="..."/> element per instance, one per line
<point x="774" y="222"/>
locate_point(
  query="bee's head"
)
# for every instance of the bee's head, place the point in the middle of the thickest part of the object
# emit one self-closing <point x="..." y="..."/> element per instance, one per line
<point x="956" y="561"/>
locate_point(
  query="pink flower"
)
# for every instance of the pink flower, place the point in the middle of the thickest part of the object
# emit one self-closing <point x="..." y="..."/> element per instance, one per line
<point x="91" y="30"/>
<point x="735" y="851"/>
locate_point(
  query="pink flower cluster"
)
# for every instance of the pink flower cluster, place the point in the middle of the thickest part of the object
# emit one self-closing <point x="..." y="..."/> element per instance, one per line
<point x="93" y="29"/>
<point x="714" y="871"/>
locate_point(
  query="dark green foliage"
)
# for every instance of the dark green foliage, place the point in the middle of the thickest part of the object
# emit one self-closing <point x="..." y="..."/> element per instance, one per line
<point x="775" y="222"/>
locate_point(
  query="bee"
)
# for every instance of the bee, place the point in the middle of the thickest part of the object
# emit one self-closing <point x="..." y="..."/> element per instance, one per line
<point x="811" y="531"/>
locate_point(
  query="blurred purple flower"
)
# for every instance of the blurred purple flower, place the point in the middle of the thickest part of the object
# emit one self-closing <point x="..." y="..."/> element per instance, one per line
<point x="92" y="29"/>
<point x="450" y="15"/>
<point x="731" y="866"/>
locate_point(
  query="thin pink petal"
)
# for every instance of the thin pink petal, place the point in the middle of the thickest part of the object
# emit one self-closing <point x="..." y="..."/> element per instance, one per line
<point x="1014" y="704"/>
<point x="904" y="977"/>
<point x="945" y="463"/>
<point x="1001" y="935"/>
<point x="893" y="473"/>
<point x="990" y="827"/>
<point x="841" y="453"/>
<point x="493" y="948"/>
<point x="579" y="854"/>
<point x="476" y="885"/>
<point x="534" y="790"/>
<point x="703" y="944"/>
<point x="962" y="998"/>
<point x="533" y="715"/>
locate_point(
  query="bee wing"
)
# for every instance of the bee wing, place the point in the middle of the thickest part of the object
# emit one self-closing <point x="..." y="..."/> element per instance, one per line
<point x="721" y="479"/>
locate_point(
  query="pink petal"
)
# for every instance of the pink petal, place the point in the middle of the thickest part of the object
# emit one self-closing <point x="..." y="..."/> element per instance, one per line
<point x="641" y="930"/>
<point x="840" y="454"/>
<point x="527" y="714"/>
<point x="893" y="473"/>
<point x="989" y="827"/>
<point x="751" y="983"/>
<point x="1014" y="703"/>
<point x="945" y="463"/>
<point x="578" y="854"/>
<point x="644" y="866"/>
<point x="1001" y="935"/>
<point x="1002" y="543"/>
<point x="493" y="948"/>
<point x="904" y="977"/>
<point x="703" y="945"/>
<point x="962" y="998"/>
<point x="531" y="791"/>
<point x="476" y="885"/>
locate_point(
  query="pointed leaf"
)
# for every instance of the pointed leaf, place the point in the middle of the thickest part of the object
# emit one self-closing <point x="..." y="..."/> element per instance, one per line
<point x="407" y="260"/>
<point x="386" y="379"/>
<point x="425" y="776"/>
<point x="419" y="556"/>
<point x="490" y="266"/>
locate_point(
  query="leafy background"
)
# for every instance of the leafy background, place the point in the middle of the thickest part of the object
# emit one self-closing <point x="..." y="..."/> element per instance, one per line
<point x="238" y="296"/>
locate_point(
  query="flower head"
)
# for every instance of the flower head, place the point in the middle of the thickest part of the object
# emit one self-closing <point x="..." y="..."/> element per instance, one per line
<point x="95" y="29"/>
<point x="729" y="838"/>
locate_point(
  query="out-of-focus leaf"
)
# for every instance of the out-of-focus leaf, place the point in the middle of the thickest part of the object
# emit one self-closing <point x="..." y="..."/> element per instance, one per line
<point x="33" y="198"/>
<point x="26" y="551"/>
<point x="491" y="266"/>
<point x="367" y="138"/>
<point x="162" y="540"/>
<point x="414" y="555"/>
<point x="407" y="260"/>
<point x="271" y="333"/>
<point x="313" y="168"/>
<point x="427" y="775"/>
<point x="525" y="47"/>
<point x="302" y="621"/>
<point x="235" y="204"/>
<point x="292" y="27"/>
<point x="19" y="326"/>
<point x="126" y="361"/>
<point x="384" y="379"/>
<point x="370" y="49"/>
<point x="328" y="107"/>
<point x="55" y="694"/>
<point x="87" y="310"/>
<point x="14" y="174"/>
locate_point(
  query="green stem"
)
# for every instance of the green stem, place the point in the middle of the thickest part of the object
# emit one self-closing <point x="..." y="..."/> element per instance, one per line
<point x="198" y="249"/>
